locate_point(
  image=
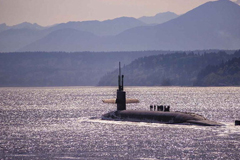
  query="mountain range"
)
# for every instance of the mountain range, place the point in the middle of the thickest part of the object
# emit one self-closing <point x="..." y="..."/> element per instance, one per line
<point x="13" y="38"/>
<point x="213" y="25"/>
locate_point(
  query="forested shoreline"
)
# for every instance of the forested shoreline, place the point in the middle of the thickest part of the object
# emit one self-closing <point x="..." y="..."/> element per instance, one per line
<point x="224" y="74"/>
<point x="176" y="69"/>
<point x="20" y="69"/>
<point x="141" y="68"/>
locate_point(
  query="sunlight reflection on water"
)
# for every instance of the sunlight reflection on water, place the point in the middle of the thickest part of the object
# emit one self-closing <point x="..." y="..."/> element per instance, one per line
<point x="65" y="123"/>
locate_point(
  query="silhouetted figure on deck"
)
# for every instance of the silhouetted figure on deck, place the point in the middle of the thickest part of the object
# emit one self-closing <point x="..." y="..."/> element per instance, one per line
<point x="151" y="107"/>
<point x="167" y="108"/>
<point x="161" y="108"/>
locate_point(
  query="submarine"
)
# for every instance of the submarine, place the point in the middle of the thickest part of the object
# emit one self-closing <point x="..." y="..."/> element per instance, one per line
<point x="161" y="115"/>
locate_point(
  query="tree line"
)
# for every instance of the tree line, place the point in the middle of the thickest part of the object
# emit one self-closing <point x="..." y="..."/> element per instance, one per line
<point x="224" y="74"/>
<point x="178" y="69"/>
<point x="141" y="68"/>
<point x="61" y="68"/>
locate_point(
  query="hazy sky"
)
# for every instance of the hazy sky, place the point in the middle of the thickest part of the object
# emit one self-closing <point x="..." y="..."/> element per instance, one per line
<point x="48" y="12"/>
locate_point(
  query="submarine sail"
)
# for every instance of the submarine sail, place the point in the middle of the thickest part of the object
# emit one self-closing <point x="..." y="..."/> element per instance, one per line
<point x="121" y="94"/>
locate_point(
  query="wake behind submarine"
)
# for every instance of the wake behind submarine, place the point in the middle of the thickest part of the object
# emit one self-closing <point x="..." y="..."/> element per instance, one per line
<point x="161" y="115"/>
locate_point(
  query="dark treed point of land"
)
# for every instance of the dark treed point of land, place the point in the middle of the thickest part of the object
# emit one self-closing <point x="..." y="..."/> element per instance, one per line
<point x="141" y="68"/>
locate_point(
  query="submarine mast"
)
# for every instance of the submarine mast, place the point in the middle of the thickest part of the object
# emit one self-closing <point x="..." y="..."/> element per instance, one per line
<point x="121" y="94"/>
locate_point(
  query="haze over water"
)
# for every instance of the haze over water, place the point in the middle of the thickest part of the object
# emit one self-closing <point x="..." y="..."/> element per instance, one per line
<point x="65" y="123"/>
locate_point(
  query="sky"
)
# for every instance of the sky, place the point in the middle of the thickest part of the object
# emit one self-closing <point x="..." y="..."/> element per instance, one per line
<point x="49" y="12"/>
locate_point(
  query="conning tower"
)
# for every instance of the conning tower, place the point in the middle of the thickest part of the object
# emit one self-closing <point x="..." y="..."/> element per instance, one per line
<point x="121" y="94"/>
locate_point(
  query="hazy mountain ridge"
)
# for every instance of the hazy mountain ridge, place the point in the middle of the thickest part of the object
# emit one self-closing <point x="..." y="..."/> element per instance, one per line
<point x="102" y="28"/>
<point x="24" y="25"/>
<point x="27" y="25"/>
<point x="158" y="18"/>
<point x="10" y="39"/>
<point x="64" y="39"/>
<point x="14" y="39"/>
<point x="213" y="25"/>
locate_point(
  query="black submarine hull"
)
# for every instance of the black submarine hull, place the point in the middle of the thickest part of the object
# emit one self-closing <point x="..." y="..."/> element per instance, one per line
<point x="159" y="117"/>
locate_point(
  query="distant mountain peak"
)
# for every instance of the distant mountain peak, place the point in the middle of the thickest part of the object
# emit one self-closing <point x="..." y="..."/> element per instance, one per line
<point x="158" y="18"/>
<point x="122" y="20"/>
<point x="102" y="28"/>
<point x="168" y="12"/>
<point x="27" y="25"/>
<point x="124" y="17"/>
<point x="214" y="9"/>
<point x="222" y="2"/>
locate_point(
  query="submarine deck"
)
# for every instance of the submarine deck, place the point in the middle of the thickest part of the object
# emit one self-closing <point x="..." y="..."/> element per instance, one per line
<point x="160" y="117"/>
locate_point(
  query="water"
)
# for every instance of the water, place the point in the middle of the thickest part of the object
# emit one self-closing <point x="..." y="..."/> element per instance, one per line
<point x="65" y="123"/>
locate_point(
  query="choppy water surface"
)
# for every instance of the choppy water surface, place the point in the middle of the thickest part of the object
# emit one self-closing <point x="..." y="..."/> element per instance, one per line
<point x="65" y="123"/>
